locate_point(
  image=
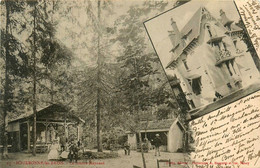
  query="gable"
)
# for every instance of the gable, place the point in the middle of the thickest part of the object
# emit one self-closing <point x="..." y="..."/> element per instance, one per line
<point x="192" y="28"/>
<point x="191" y="32"/>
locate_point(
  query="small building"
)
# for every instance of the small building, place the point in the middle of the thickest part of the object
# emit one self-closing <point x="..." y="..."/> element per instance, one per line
<point x="51" y="122"/>
<point x="210" y="58"/>
<point x="171" y="132"/>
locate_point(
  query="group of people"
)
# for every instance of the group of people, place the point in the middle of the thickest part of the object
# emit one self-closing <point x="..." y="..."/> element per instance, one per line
<point x="63" y="149"/>
<point x="157" y="142"/>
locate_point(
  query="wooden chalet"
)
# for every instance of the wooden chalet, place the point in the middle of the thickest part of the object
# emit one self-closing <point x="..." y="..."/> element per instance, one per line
<point x="51" y="122"/>
<point x="171" y="132"/>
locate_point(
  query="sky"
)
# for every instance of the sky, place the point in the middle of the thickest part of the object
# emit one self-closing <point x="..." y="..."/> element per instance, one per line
<point x="159" y="26"/>
<point x="81" y="53"/>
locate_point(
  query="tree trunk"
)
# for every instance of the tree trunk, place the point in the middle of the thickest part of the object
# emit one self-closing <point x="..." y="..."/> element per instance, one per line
<point x="34" y="83"/>
<point x="139" y="121"/>
<point x="99" y="138"/>
<point x="142" y="151"/>
<point x="51" y="70"/>
<point x="7" y="85"/>
<point x="52" y="87"/>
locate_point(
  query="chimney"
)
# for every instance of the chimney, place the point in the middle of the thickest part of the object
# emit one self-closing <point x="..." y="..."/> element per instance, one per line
<point x="225" y="21"/>
<point x="174" y="34"/>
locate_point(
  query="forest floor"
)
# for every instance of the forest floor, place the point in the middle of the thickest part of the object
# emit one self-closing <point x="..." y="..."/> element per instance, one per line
<point x="123" y="161"/>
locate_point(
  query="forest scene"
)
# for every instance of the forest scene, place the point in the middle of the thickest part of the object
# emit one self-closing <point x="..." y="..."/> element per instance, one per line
<point x="104" y="83"/>
<point x="92" y="57"/>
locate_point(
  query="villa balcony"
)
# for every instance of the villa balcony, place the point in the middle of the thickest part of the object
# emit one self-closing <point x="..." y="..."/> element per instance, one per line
<point x="222" y="56"/>
<point x="215" y="39"/>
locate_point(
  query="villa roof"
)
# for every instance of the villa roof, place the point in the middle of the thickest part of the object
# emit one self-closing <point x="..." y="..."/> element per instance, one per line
<point x="235" y="28"/>
<point x="190" y="31"/>
<point x="193" y="25"/>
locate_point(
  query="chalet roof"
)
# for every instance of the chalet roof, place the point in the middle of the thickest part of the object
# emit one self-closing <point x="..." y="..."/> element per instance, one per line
<point x="48" y="109"/>
<point x="159" y="124"/>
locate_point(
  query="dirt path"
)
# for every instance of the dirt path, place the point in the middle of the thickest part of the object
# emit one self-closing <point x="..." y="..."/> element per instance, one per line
<point x="20" y="160"/>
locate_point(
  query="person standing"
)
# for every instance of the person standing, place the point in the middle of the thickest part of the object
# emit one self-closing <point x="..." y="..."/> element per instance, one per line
<point x="127" y="148"/>
<point x="63" y="142"/>
<point x="73" y="151"/>
<point x="146" y="145"/>
<point x="54" y="152"/>
<point x="157" y="144"/>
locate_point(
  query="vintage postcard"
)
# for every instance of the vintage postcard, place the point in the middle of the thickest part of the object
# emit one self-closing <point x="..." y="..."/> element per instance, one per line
<point x="212" y="65"/>
<point x="130" y="84"/>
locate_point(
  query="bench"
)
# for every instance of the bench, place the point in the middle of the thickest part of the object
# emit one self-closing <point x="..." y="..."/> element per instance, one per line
<point x="9" y="147"/>
<point x="164" y="161"/>
<point x="41" y="148"/>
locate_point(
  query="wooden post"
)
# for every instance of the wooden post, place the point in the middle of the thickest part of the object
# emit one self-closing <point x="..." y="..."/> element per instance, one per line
<point x="19" y="137"/>
<point x="28" y="136"/>
<point x="78" y="132"/>
<point x="66" y="130"/>
<point x="46" y="131"/>
<point x="167" y="141"/>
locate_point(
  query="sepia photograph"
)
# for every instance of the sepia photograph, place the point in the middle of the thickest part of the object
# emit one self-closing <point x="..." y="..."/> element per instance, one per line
<point x="129" y="84"/>
<point x="207" y="52"/>
<point x="81" y="86"/>
<point x="213" y="69"/>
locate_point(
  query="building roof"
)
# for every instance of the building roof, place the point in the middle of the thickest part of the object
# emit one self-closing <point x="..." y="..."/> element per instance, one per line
<point x="190" y="32"/>
<point x="193" y="25"/>
<point x="159" y="125"/>
<point x="49" y="109"/>
<point x="235" y="28"/>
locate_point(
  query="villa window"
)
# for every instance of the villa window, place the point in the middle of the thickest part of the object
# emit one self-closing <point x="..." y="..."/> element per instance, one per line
<point x="195" y="85"/>
<point x="185" y="64"/>
<point x="216" y="44"/>
<point x="185" y="37"/>
<point x="228" y="67"/>
<point x="232" y="64"/>
<point x="225" y="46"/>
<point x="229" y="86"/>
<point x="228" y="27"/>
<point x="192" y="104"/>
<point x="235" y="43"/>
<point x="220" y="45"/>
<point x="210" y="34"/>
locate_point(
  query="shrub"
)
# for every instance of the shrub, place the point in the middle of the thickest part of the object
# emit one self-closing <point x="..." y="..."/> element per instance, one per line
<point x="99" y="155"/>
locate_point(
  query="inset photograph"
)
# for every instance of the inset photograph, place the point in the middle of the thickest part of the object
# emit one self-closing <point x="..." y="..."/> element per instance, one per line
<point x="206" y="53"/>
